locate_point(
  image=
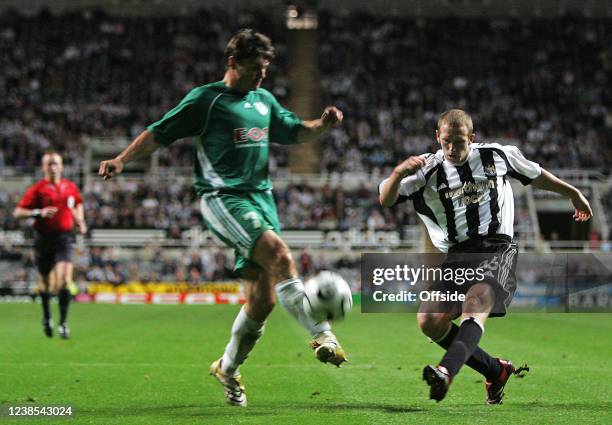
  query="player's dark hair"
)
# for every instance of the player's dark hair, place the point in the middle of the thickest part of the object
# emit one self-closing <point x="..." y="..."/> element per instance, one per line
<point x="248" y="44"/>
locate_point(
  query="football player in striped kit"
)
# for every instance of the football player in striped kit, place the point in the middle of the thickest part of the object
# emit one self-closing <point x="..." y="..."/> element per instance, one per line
<point x="463" y="196"/>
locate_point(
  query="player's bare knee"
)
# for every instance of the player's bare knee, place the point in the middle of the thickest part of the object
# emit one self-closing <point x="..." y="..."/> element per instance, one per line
<point x="433" y="325"/>
<point x="478" y="299"/>
<point x="472" y="301"/>
<point x="59" y="284"/>
<point x="283" y="263"/>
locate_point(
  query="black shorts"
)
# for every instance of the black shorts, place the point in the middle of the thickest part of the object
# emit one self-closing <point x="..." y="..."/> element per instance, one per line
<point x="51" y="248"/>
<point x="496" y="256"/>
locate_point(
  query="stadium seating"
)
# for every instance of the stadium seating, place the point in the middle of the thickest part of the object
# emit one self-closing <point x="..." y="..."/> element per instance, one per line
<point x="122" y="73"/>
<point x="536" y="83"/>
<point x="72" y="78"/>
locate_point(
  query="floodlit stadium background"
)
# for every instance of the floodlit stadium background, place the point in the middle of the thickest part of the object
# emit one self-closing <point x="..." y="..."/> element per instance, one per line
<point x="87" y="76"/>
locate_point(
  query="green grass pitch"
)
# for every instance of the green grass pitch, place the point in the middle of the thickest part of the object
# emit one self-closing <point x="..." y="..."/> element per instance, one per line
<point x="149" y="365"/>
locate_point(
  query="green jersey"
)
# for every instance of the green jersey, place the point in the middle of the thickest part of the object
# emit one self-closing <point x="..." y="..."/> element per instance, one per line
<point x="232" y="132"/>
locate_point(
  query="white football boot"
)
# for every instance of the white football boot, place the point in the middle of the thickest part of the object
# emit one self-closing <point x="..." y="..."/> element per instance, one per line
<point x="234" y="388"/>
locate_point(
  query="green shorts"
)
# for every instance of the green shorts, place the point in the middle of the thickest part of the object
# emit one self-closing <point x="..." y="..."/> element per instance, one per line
<point x="239" y="219"/>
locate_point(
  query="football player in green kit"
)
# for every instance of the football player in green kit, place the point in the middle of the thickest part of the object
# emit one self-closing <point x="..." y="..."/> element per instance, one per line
<point x="232" y="123"/>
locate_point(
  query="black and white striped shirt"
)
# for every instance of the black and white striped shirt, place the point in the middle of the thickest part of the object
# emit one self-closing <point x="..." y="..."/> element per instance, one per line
<point x="459" y="202"/>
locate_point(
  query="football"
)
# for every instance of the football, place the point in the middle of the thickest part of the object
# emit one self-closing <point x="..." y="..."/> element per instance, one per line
<point x="327" y="296"/>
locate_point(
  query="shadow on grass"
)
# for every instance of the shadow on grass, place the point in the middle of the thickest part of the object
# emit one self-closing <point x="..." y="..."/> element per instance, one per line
<point x="355" y="406"/>
<point x="273" y="410"/>
<point x="594" y="406"/>
<point x="266" y="409"/>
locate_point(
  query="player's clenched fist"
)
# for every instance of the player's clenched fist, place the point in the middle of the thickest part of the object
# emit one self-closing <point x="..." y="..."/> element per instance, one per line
<point x="410" y="166"/>
<point x="110" y="168"/>
<point x="583" y="210"/>
<point x="332" y="115"/>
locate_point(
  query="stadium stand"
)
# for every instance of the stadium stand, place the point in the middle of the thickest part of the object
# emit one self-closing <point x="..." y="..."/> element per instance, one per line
<point x="122" y="73"/>
<point x="86" y="77"/>
<point x="541" y="84"/>
<point x="88" y="73"/>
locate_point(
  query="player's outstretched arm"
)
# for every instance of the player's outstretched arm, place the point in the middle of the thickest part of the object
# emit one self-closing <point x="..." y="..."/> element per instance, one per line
<point x="548" y="181"/>
<point x="142" y="146"/>
<point x="389" y="189"/>
<point x="311" y="130"/>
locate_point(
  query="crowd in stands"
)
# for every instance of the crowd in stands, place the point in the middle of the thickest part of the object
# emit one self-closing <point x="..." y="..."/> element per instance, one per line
<point x="101" y="264"/>
<point x="119" y="266"/>
<point x="195" y="267"/>
<point x="540" y="83"/>
<point x="152" y="264"/>
<point x="543" y="84"/>
<point x="86" y="73"/>
<point x="173" y="207"/>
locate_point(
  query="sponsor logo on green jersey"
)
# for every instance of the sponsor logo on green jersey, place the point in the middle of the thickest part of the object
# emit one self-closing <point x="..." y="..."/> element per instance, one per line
<point x="255" y="134"/>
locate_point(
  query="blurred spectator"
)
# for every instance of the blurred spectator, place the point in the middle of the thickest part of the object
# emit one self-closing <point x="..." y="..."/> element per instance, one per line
<point x="301" y="206"/>
<point x="306" y="264"/>
<point x="221" y="269"/>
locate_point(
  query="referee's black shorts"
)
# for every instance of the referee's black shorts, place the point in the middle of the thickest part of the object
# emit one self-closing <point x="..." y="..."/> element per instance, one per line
<point x="51" y="248"/>
<point x="496" y="255"/>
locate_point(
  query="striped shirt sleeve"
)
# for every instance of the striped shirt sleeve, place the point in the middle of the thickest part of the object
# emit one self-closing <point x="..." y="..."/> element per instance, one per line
<point x="409" y="185"/>
<point x="519" y="167"/>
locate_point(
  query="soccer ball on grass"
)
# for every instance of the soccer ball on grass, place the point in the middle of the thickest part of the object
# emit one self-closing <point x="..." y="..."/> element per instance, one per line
<point x="327" y="296"/>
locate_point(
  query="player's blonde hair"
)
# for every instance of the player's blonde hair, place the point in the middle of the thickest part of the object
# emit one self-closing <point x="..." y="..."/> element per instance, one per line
<point x="456" y="118"/>
<point x="49" y="152"/>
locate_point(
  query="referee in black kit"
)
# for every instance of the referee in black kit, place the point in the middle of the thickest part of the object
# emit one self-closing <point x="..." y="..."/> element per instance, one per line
<point x="463" y="196"/>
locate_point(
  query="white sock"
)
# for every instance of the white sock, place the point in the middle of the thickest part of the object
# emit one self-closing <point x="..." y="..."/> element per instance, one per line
<point x="290" y="293"/>
<point x="245" y="333"/>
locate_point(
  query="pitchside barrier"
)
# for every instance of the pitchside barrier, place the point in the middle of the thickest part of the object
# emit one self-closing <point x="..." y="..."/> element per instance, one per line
<point x="194" y="298"/>
<point x="163" y="293"/>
